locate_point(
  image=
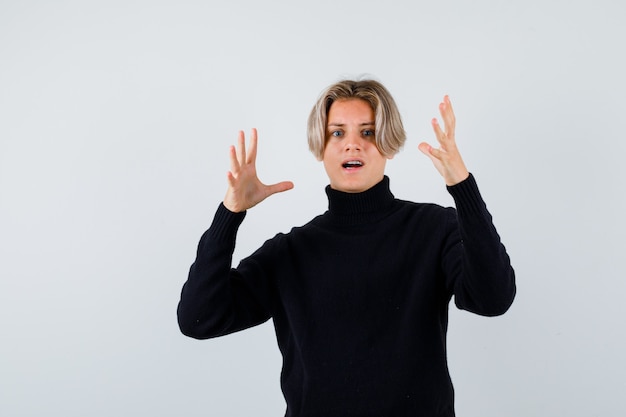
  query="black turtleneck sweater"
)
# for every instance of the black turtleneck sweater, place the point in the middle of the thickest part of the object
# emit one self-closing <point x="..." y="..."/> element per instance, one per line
<point x="359" y="298"/>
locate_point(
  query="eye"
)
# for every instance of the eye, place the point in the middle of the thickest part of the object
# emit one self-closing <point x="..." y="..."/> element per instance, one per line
<point x="336" y="133"/>
<point x="368" y="132"/>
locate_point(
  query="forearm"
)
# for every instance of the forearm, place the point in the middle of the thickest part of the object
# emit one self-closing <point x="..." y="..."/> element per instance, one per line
<point x="487" y="282"/>
<point x="206" y="308"/>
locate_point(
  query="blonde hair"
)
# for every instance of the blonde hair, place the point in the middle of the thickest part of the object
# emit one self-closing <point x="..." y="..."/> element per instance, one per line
<point x="390" y="135"/>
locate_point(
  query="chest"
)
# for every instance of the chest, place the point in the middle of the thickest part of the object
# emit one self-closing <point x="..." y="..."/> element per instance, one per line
<point x="360" y="273"/>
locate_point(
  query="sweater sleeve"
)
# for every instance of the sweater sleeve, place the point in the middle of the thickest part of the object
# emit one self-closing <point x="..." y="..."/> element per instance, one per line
<point x="482" y="278"/>
<point x="216" y="300"/>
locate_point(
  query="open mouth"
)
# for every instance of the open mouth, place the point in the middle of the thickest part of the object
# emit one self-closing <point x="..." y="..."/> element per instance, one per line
<point x="352" y="164"/>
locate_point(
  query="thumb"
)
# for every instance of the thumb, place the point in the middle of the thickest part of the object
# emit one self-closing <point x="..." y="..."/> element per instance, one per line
<point x="428" y="150"/>
<point x="279" y="187"/>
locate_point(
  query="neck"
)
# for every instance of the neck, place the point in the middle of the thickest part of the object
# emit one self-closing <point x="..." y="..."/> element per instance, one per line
<point x="358" y="208"/>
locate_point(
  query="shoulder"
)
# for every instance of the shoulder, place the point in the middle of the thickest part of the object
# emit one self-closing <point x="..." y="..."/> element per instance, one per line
<point x="424" y="220"/>
<point x="296" y="232"/>
<point x="412" y="208"/>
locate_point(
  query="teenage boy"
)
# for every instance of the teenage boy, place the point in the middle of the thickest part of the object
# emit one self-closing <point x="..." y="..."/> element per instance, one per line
<point x="359" y="295"/>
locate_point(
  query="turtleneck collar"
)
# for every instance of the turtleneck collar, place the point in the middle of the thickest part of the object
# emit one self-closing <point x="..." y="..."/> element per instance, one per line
<point x="358" y="208"/>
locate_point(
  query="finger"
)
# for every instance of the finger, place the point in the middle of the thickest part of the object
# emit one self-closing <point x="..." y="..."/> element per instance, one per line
<point x="279" y="187"/>
<point x="424" y="148"/>
<point x="439" y="133"/>
<point x="241" y="148"/>
<point x="446" y="99"/>
<point x="253" y="147"/>
<point x="230" y="177"/>
<point x="433" y="153"/>
<point x="436" y="154"/>
<point x="447" y="115"/>
<point x="234" y="163"/>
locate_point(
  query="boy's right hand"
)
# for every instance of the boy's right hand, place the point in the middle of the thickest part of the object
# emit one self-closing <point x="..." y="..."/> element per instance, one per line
<point x="245" y="190"/>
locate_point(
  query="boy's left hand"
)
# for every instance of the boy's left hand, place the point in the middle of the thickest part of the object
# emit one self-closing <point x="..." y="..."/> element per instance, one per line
<point x="446" y="158"/>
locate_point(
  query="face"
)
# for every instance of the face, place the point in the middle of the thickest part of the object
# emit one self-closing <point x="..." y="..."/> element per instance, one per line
<point x="351" y="158"/>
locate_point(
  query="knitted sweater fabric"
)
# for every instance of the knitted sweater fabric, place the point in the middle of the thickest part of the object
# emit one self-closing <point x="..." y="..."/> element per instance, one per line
<point x="359" y="297"/>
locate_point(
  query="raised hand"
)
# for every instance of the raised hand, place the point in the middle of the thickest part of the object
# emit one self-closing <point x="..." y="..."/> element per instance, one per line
<point x="446" y="158"/>
<point x="245" y="190"/>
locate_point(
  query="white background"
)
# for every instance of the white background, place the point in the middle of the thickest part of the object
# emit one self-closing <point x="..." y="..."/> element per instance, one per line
<point x="115" y="122"/>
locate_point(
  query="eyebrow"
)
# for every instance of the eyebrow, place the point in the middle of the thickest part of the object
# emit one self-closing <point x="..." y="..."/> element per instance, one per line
<point x="343" y="124"/>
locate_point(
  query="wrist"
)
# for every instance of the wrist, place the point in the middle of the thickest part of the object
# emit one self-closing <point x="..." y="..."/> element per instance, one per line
<point x="457" y="177"/>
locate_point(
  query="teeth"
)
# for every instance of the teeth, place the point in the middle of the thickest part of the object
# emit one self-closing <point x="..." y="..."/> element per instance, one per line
<point x="353" y="164"/>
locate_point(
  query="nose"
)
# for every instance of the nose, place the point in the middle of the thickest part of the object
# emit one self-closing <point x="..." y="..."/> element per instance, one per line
<point x="354" y="142"/>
